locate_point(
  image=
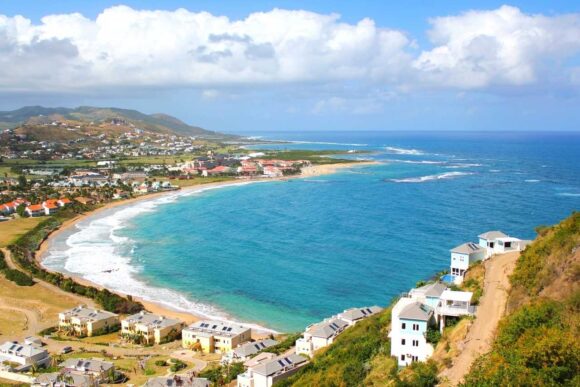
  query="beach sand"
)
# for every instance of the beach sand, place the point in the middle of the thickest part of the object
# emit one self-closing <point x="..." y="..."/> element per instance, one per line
<point x="312" y="171"/>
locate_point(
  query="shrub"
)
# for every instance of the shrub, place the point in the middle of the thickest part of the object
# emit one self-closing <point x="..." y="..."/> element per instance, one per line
<point x="18" y="277"/>
<point x="177" y="365"/>
<point x="433" y="335"/>
<point x="160" y="363"/>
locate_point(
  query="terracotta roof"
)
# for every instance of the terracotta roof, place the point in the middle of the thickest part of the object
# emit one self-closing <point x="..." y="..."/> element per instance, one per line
<point x="35" y="207"/>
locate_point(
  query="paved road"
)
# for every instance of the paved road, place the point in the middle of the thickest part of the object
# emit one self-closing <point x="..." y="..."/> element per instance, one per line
<point x="491" y="309"/>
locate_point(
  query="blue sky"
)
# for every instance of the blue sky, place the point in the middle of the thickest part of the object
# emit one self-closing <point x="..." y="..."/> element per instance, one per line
<point x="241" y="67"/>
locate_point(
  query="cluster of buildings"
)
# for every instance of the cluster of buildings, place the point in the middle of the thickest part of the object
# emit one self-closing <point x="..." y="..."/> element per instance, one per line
<point x="490" y="243"/>
<point x="239" y="165"/>
<point x="427" y="307"/>
<point x="47" y="207"/>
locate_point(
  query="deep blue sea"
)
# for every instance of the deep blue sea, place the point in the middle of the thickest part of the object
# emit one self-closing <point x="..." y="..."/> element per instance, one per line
<point x="285" y="254"/>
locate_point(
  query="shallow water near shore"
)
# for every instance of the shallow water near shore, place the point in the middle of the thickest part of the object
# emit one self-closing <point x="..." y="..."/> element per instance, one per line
<point x="285" y="254"/>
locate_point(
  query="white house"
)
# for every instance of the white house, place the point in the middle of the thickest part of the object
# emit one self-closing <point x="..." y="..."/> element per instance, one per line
<point x="354" y="315"/>
<point x="496" y="242"/>
<point x="409" y="324"/>
<point x="27" y="355"/>
<point x="428" y="294"/>
<point x="247" y="350"/>
<point x="464" y="255"/>
<point x="455" y="303"/>
<point x="272" y="371"/>
<point x="320" y="335"/>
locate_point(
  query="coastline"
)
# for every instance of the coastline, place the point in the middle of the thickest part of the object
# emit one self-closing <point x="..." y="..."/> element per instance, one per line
<point x="158" y="307"/>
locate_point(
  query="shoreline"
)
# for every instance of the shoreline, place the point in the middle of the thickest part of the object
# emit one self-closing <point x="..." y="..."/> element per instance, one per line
<point x="156" y="306"/>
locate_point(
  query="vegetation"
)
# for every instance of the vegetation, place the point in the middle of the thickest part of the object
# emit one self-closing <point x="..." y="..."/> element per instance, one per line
<point x="23" y="250"/>
<point x="221" y="375"/>
<point x="177" y="365"/>
<point x="314" y="156"/>
<point x="537" y="342"/>
<point x="16" y="276"/>
<point x="284" y="345"/>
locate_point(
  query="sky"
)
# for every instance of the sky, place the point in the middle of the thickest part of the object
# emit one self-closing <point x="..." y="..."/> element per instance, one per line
<point x="261" y="65"/>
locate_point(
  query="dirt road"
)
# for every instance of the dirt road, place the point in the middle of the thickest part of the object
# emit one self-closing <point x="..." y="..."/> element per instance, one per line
<point x="491" y="308"/>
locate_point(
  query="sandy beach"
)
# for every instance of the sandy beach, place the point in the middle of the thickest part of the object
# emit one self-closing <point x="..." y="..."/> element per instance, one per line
<point x="312" y="171"/>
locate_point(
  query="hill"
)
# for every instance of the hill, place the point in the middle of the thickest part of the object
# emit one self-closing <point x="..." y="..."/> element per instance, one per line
<point x="158" y="123"/>
<point x="536" y="343"/>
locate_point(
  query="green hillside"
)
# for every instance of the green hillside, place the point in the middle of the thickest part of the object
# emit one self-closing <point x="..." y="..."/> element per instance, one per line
<point x="161" y="123"/>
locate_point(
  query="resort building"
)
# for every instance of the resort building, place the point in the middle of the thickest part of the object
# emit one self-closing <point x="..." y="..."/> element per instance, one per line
<point x="35" y="210"/>
<point x="320" y="335"/>
<point x="83" y="321"/>
<point x="272" y="371"/>
<point x="354" y="315"/>
<point x="464" y="255"/>
<point x="215" y="336"/>
<point x="25" y="355"/>
<point x="410" y="321"/>
<point x="177" y="381"/>
<point x="149" y="328"/>
<point x="247" y="350"/>
<point x="94" y="369"/>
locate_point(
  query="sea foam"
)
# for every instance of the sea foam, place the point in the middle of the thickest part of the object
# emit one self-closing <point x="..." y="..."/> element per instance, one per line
<point x="404" y="151"/>
<point x="423" y="179"/>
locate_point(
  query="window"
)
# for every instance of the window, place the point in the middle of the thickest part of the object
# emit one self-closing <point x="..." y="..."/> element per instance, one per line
<point x="402" y="357"/>
<point x="415" y="327"/>
<point x="403" y="341"/>
<point x="415" y="358"/>
<point x="403" y="326"/>
<point x="415" y="343"/>
<point x="491" y="244"/>
<point x="508" y="245"/>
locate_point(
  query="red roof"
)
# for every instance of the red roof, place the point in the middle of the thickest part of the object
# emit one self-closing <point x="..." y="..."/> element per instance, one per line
<point x="65" y="200"/>
<point x="50" y="206"/>
<point x="35" y="207"/>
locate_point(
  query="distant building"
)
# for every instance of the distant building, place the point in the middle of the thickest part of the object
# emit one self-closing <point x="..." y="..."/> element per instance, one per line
<point x="247" y="350"/>
<point x="94" y="369"/>
<point x="150" y="328"/>
<point x="83" y="321"/>
<point x="215" y="336"/>
<point x="25" y="355"/>
<point x="464" y="255"/>
<point x="271" y="371"/>
<point x="354" y="315"/>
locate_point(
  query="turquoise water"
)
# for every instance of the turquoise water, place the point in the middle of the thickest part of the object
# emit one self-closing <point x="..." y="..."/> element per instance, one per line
<point x="286" y="254"/>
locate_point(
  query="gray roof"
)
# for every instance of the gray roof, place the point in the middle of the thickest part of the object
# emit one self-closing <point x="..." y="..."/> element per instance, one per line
<point x="490" y="235"/>
<point x="431" y="290"/>
<point x="278" y="364"/>
<point x="249" y="349"/>
<point x="84" y="313"/>
<point x="177" y="380"/>
<point x="217" y="328"/>
<point x="416" y="311"/>
<point x="87" y="365"/>
<point x="467" y="248"/>
<point x="55" y="379"/>
<point x="22" y="350"/>
<point x="359" y="313"/>
<point x="328" y="328"/>
<point x="152" y="320"/>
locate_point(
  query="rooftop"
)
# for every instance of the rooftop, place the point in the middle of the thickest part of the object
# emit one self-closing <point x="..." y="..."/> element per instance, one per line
<point x="327" y="328"/>
<point x="416" y="311"/>
<point x="467" y="248"/>
<point x="85" y="313"/>
<point x="23" y="350"/>
<point x="430" y="290"/>
<point x="359" y="313"/>
<point x="218" y="328"/>
<point x="87" y="365"/>
<point x="279" y="364"/>
<point x="249" y="349"/>
<point x="151" y="320"/>
<point x="453" y="295"/>
<point x="490" y="235"/>
<point x="177" y="380"/>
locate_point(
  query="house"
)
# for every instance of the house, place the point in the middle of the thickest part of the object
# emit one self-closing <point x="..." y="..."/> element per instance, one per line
<point x="496" y="242"/>
<point x="455" y="303"/>
<point x="83" y="321"/>
<point x="354" y="315"/>
<point x="63" y="202"/>
<point x="271" y="171"/>
<point x="429" y="294"/>
<point x="215" y="336"/>
<point x="410" y="321"/>
<point x="50" y="206"/>
<point x="35" y="210"/>
<point x="272" y="371"/>
<point x="219" y="170"/>
<point x="247" y="350"/>
<point x="96" y="369"/>
<point x="149" y="328"/>
<point x="320" y="335"/>
<point x="463" y="256"/>
<point x="177" y="381"/>
<point x="260" y="358"/>
<point x="26" y="355"/>
<point x="63" y="379"/>
<point x="85" y="200"/>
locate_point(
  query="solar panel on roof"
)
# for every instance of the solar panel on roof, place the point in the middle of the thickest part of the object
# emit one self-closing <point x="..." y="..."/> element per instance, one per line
<point x="288" y="361"/>
<point x="282" y="364"/>
<point x="370" y="311"/>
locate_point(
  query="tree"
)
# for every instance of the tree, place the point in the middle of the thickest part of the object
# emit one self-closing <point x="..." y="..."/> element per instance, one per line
<point x="22" y="182"/>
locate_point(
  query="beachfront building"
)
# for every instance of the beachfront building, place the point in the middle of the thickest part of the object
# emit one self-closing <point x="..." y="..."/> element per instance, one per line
<point x="320" y="335"/>
<point x="23" y="356"/>
<point x="271" y="371"/>
<point x="35" y="210"/>
<point x="215" y="336"/>
<point x="84" y="321"/>
<point x="247" y="350"/>
<point x="96" y="370"/>
<point x="149" y="328"/>
<point x="463" y="256"/>
<point x="185" y="380"/>
<point x="354" y="315"/>
<point x="410" y="321"/>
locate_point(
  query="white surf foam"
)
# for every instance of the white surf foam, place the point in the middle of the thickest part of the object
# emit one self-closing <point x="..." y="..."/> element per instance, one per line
<point x="532" y="181"/>
<point x="325" y="143"/>
<point x="433" y="162"/>
<point x="569" y="194"/>
<point x="422" y="179"/>
<point x="463" y="165"/>
<point x="97" y="253"/>
<point x="404" y="151"/>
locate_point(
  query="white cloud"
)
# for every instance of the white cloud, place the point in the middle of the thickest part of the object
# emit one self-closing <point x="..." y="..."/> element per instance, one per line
<point x="478" y="49"/>
<point x="125" y="48"/>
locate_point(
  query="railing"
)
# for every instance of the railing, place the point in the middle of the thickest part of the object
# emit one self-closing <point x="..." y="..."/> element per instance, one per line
<point x="450" y="310"/>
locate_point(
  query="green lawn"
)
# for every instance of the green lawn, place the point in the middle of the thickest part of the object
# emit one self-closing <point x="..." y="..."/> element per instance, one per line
<point x="12" y="229"/>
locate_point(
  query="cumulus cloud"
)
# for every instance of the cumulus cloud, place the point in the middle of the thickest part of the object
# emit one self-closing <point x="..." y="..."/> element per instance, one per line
<point x="478" y="49"/>
<point x="126" y="48"/>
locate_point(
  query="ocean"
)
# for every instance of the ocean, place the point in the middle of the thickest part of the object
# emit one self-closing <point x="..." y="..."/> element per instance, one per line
<point x="281" y="255"/>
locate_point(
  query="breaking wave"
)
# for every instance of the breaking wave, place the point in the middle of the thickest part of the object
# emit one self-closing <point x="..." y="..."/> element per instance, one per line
<point x="423" y="179"/>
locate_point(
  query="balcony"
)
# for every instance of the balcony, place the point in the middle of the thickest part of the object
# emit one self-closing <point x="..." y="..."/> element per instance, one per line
<point x="456" y="310"/>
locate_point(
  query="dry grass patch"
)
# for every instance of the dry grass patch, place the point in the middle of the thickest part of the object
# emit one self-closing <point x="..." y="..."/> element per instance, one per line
<point x="451" y="343"/>
<point x="12" y="229"/>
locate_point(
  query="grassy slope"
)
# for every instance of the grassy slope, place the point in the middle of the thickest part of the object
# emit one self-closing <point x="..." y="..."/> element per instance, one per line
<point x="12" y="229"/>
<point x="537" y="341"/>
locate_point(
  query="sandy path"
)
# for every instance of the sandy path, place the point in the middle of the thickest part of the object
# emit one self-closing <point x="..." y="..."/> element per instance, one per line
<point x="491" y="308"/>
